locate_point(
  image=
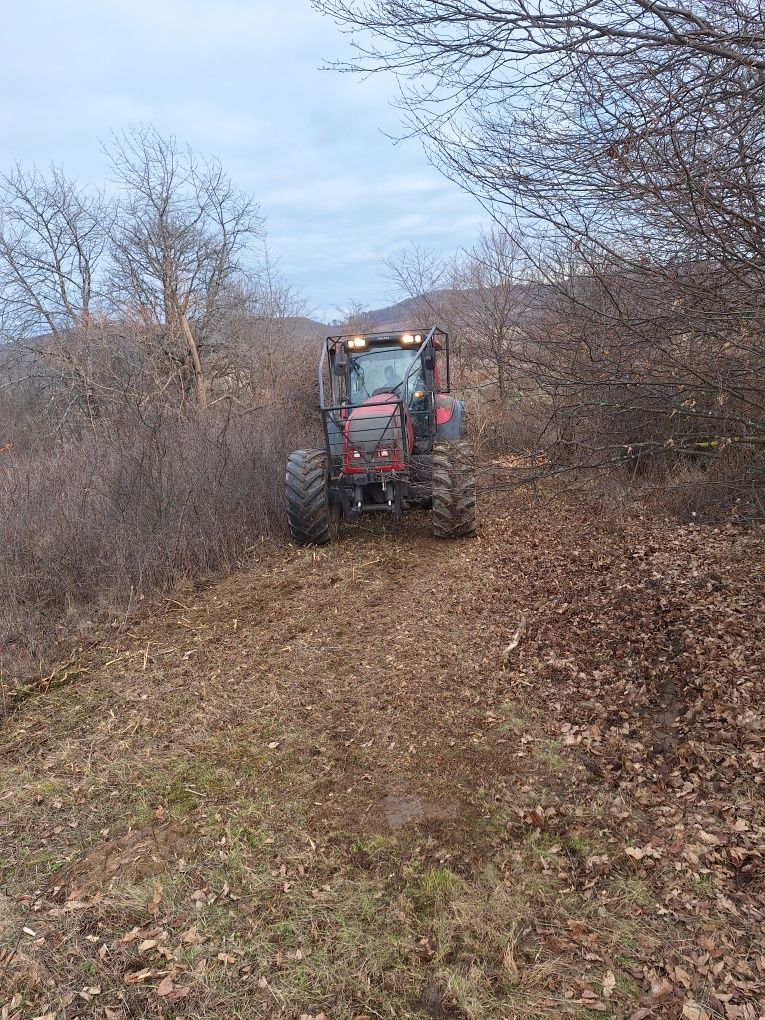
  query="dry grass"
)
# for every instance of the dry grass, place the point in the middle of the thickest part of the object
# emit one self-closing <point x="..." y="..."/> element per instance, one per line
<point x="93" y="525"/>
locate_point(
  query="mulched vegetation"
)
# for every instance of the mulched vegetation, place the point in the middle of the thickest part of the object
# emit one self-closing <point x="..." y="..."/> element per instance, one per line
<point x="515" y="777"/>
<point x="649" y="648"/>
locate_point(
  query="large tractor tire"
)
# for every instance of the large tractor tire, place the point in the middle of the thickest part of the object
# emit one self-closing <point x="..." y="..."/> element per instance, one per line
<point x="312" y="516"/>
<point x="453" y="489"/>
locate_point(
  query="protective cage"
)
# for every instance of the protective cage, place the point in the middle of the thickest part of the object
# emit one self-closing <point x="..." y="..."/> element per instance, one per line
<point x="368" y="451"/>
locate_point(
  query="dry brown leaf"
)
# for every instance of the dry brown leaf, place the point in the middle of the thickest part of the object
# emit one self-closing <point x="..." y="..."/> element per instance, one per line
<point x="660" y="991"/>
<point x="693" y="1011"/>
<point x="682" y="977"/>
<point x="635" y="852"/>
<point x="137" y="976"/>
<point x="165" y="987"/>
<point x="154" y="902"/>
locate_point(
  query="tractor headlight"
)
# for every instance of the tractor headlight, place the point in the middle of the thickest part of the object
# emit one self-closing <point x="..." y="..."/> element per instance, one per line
<point x="357" y="343"/>
<point x="408" y="339"/>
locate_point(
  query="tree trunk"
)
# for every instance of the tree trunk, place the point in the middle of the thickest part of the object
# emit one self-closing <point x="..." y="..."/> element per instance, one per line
<point x="200" y="383"/>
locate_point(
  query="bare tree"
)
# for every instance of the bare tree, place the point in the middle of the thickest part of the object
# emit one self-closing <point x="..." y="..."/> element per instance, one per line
<point x="573" y="111"/>
<point x="53" y="247"/>
<point x="264" y="329"/>
<point x="180" y="243"/>
<point x="276" y="308"/>
<point x="421" y="274"/>
<point x="53" y="236"/>
<point x="354" y="318"/>
<point x="496" y="299"/>
<point x="431" y="282"/>
<point x="625" y="137"/>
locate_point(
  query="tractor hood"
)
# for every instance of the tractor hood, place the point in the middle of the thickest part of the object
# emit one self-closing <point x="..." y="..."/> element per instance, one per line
<point x="375" y="423"/>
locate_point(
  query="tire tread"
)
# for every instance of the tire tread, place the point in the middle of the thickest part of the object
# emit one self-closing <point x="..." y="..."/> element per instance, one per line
<point x="309" y="516"/>
<point x="454" y="498"/>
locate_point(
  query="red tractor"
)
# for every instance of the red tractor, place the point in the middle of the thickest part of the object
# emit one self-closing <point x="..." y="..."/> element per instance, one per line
<point x="394" y="438"/>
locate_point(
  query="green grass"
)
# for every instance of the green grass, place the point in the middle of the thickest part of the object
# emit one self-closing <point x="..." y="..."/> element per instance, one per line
<point x="703" y="884"/>
<point x="374" y="850"/>
<point x="433" y="889"/>
<point x="550" y="754"/>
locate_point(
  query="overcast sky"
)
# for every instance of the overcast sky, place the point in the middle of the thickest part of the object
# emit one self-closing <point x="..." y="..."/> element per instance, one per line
<point x="240" y="80"/>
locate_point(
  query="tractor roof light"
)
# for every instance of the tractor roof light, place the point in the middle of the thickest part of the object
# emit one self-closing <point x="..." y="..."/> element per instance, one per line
<point x="408" y="339"/>
<point x="357" y="343"/>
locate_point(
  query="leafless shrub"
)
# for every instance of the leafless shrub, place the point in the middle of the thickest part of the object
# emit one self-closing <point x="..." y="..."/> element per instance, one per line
<point x="501" y="427"/>
<point x="726" y="487"/>
<point x="152" y="384"/>
<point x="92" y="526"/>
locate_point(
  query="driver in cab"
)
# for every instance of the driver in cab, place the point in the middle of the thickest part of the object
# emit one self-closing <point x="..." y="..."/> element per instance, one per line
<point x="417" y="402"/>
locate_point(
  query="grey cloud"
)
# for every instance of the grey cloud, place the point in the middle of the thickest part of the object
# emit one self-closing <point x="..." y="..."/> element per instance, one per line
<point x="239" y="79"/>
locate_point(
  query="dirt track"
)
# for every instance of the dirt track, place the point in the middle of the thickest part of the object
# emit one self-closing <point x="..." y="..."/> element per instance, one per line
<point x="520" y="776"/>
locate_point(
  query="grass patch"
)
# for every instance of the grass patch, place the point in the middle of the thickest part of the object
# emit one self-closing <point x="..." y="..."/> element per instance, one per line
<point x="433" y="889"/>
<point x="183" y="785"/>
<point x="372" y="851"/>
<point x="633" y="891"/>
<point x="550" y="754"/>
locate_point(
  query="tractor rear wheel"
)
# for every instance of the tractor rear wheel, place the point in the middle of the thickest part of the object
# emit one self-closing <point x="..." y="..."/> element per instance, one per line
<point x="312" y="516"/>
<point x="453" y="489"/>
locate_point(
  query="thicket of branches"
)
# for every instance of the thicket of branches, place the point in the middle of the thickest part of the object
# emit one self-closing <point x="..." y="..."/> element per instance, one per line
<point x="151" y="363"/>
<point x="623" y="140"/>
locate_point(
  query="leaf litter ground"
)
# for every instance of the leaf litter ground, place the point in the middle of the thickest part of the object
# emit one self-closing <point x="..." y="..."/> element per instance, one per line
<point x="515" y="777"/>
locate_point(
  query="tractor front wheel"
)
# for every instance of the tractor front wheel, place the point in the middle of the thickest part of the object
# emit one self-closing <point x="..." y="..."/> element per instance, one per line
<point x="454" y="514"/>
<point x="312" y="516"/>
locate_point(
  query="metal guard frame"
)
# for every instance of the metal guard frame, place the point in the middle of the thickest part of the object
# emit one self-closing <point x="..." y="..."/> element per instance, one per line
<point x="372" y="469"/>
<point x="333" y="342"/>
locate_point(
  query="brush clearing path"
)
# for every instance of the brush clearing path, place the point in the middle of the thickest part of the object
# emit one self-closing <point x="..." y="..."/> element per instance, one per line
<point x="520" y="776"/>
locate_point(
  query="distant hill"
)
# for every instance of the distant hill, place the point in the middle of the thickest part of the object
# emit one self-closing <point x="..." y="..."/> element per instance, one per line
<point x="417" y="311"/>
<point x="411" y="311"/>
<point x="423" y="311"/>
<point x="306" y="327"/>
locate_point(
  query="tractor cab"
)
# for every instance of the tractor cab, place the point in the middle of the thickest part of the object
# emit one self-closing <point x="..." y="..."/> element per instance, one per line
<point x="388" y="416"/>
<point x="401" y="367"/>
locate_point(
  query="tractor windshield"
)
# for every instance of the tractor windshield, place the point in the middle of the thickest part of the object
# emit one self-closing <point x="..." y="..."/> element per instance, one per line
<point x="380" y="370"/>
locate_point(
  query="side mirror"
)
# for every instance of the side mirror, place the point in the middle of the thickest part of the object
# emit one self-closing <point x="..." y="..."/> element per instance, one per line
<point x="340" y="362"/>
<point x="429" y="360"/>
